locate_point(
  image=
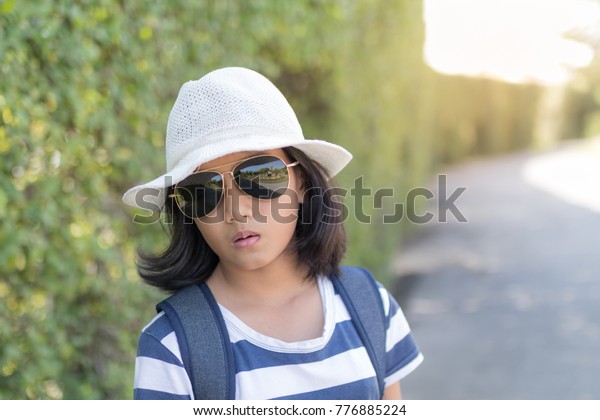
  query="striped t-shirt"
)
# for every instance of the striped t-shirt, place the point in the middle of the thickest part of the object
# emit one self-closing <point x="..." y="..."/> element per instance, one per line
<point x="333" y="366"/>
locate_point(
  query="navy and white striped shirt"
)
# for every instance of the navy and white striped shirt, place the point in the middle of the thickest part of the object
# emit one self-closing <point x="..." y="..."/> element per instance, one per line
<point x="333" y="366"/>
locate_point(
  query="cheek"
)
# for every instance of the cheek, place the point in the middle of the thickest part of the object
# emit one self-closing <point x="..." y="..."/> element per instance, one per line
<point x="209" y="233"/>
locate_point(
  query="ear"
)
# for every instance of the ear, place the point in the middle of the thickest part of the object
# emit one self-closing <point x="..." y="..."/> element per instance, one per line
<point x="300" y="186"/>
<point x="301" y="192"/>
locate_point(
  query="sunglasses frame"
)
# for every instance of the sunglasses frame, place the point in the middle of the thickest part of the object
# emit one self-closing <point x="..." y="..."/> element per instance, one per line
<point x="222" y="175"/>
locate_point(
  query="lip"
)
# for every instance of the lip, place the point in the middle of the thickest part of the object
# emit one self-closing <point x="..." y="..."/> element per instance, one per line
<point x="245" y="238"/>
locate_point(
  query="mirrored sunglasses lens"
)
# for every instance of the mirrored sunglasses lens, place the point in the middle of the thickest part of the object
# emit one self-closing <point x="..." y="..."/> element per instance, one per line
<point x="263" y="177"/>
<point x="199" y="194"/>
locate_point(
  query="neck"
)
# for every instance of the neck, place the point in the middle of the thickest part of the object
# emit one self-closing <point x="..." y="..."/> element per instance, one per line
<point x="275" y="282"/>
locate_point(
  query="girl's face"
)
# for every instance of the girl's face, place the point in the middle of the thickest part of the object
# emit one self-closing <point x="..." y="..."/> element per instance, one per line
<point x="247" y="233"/>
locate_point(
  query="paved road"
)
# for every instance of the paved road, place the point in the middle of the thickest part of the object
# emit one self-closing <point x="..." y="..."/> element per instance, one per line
<point x="507" y="305"/>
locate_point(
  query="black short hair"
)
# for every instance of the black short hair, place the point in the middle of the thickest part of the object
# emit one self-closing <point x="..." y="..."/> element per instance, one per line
<point x="319" y="238"/>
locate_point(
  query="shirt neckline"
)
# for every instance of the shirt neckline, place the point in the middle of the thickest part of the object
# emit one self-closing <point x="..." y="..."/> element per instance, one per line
<point x="304" y="346"/>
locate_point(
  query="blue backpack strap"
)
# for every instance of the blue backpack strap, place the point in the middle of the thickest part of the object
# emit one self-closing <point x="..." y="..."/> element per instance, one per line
<point x="203" y="341"/>
<point x="360" y="294"/>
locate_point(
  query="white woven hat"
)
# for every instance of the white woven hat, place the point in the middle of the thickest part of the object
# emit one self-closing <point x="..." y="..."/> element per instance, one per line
<point x="229" y="110"/>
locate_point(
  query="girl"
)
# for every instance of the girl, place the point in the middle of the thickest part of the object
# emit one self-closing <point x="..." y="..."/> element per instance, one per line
<point x="253" y="220"/>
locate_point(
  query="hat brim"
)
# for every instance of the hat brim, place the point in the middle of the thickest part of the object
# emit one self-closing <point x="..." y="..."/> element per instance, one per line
<point x="151" y="195"/>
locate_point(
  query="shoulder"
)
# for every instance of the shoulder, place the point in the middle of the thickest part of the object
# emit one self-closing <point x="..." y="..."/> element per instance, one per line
<point x="159" y="371"/>
<point x="159" y="333"/>
<point x="159" y="327"/>
<point x="367" y="281"/>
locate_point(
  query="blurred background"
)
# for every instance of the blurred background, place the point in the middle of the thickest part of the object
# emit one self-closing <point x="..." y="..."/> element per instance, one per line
<point x="501" y="96"/>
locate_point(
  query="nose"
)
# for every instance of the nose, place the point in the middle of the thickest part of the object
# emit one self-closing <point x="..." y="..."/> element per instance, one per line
<point x="237" y="205"/>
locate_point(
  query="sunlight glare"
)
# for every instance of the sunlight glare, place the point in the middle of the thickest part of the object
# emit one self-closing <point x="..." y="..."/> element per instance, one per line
<point x="513" y="40"/>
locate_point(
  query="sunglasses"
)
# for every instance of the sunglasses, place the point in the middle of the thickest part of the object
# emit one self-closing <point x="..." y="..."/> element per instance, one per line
<point x="263" y="177"/>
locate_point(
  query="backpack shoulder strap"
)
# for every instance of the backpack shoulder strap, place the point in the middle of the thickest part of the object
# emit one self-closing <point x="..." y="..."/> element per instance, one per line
<point x="203" y="341"/>
<point x="359" y="291"/>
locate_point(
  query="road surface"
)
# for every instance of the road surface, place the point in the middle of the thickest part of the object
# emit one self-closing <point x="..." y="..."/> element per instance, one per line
<point x="507" y="305"/>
